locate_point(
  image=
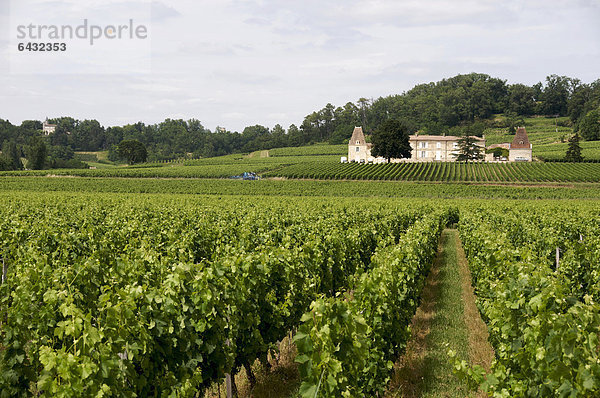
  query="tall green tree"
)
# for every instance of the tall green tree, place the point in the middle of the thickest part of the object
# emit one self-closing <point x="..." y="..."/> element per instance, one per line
<point x="590" y="125"/>
<point x="12" y="154"/>
<point x="391" y="140"/>
<point x="556" y="94"/>
<point x="580" y="98"/>
<point x="574" y="151"/>
<point x="295" y="135"/>
<point x="468" y="150"/>
<point x="36" y="153"/>
<point x="521" y="99"/>
<point x="5" y="164"/>
<point x="133" y="151"/>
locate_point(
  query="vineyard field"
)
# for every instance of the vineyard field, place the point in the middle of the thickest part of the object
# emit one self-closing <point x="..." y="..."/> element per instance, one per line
<point x="287" y="188"/>
<point x="536" y="274"/>
<point x="541" y="131"/>
<point x="311" y="150"/>
<point x="119" y="296"/>
<point x="327" y="167"/>
<point x="590" y="150"/>
<point x="446" y="172"/>
<point x="147" y="287"/>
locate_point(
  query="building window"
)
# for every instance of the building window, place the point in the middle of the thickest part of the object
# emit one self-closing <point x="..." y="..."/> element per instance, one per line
<point x="423" y="153"/>
<point x="455" y="145"/>
<point x="357" y="142"/>
<point x="357" y="149"/>
<point x="423" y="145"/>
<point x="438" y="145"/>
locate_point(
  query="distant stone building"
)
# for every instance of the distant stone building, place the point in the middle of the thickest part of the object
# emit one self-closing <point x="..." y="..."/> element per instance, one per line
<point x="425" y="148"/>
<point x="442" y="148"/>
<point x="520" y="149"/>
<point x="48" y="128"/>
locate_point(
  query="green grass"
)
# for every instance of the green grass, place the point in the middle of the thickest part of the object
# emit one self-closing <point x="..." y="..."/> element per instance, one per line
<point x="438" y="326"/>
<point x="99" y="165"/>
<point x="448" y="329"/>
<point x="311" y="150"/>
<point x="98" y="155"/>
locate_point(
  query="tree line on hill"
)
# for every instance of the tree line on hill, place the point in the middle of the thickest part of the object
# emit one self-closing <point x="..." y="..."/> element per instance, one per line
<point x="463" y="103"/>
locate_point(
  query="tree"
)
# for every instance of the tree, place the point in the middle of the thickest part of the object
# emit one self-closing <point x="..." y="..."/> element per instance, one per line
<point x="12" y="155"/>
<point x="556" y="94"/>
<point x="590" y="126"/>
<point x="391" y="140"/>
<point x="499" y="153"/>
<point x="364" y="105"/>
<point x="295" y="135"/>
<point x="133" y="151"/>
<point x="579" y="99"/>
<point x="574" y="150"/>
<point x="5" y="163"/>
<point x="36" y="153"/>
<point x="521" y="99"/>
<point x="33" y="125"/>
<point x="88" y="135"/>
<point x="468" y="150"/>
<point x="255" y="137"/>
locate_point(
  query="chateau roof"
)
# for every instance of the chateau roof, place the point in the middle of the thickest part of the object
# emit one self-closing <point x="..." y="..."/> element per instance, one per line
<point x="358" y="137"/>
<point x="419" y="137"/>
<point x="521" y="141"/>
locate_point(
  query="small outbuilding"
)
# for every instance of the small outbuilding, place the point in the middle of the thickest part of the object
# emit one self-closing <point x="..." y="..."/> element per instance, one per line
<point x="520" y="149"/>
<point x="359" y="150"/>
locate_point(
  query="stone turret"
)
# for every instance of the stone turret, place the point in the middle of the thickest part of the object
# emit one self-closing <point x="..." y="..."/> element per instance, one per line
<point x="358" y="148"/>
<point x="520" y="149"/>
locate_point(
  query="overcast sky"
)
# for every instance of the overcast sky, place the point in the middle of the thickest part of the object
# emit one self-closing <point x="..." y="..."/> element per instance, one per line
<point x="235" y="63"/>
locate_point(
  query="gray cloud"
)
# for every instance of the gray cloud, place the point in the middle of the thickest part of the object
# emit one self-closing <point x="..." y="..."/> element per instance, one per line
<point x="241" y="62"/>
<point x="161" y="12"/>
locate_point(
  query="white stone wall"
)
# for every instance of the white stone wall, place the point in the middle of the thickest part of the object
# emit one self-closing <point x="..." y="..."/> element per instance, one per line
<point x="520" y="155"/>
<point x="356" y="153"/>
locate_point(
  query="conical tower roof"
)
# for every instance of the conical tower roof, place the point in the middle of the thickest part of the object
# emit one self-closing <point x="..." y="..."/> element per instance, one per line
<point x="521" y="141"/>
<point x="358" y="137"/>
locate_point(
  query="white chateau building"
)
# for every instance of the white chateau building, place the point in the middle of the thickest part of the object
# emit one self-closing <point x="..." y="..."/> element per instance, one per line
<point x="425" y="148"/>
<point x="443" y="148"/>
<point x="440" y="148"/>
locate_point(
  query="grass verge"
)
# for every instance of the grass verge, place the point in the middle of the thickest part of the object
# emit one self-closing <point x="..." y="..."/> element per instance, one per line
<point x="440" y="323"/>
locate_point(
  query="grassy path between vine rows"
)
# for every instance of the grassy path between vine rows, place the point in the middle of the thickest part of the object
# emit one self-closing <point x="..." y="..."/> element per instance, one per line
<point x="447" y="319"/>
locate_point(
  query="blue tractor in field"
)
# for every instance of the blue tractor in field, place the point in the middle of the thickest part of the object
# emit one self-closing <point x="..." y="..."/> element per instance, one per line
<point x="248" y="175"/>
